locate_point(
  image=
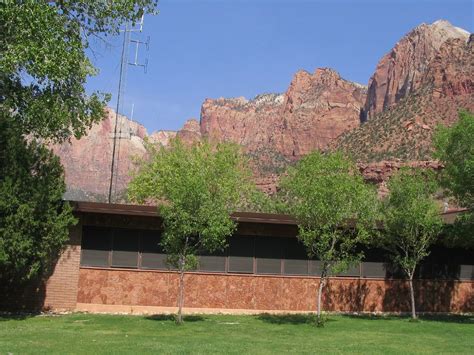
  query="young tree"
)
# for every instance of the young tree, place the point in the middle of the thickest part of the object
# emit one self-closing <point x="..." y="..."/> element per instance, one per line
<point x="412" y="221"/>
<point x="33" y="219"/>
<point x="197" y="188"/>
<point x="335" y="209"/>
<point x="455" y="148"/>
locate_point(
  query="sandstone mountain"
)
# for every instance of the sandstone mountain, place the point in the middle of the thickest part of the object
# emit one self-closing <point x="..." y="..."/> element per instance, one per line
<point x="402" y="71"/>
<point x="421" y="82"/>
<point x="315" y="110"/>
<point x="87" y="161"/>
<point x="412" y="91"/>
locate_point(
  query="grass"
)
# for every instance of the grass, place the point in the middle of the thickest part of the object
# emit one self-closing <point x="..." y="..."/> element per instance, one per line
<point x="263" y="334"/>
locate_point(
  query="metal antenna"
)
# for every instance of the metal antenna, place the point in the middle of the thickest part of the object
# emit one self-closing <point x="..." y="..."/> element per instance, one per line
<point x="121" y="91"/>
<point x="131" y="113"/>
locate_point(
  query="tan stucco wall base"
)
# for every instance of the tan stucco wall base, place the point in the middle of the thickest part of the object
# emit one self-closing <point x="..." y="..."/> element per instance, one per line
<point x="145" y="310"/>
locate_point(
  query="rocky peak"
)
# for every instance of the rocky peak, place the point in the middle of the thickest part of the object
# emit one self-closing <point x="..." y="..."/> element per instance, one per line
<point x="191" y="125"/>
<point x="304" y="82"/>
<point x="162" y="137"/>
<point x="435" y="92"/>
<point x="445" y="30"/>
<point x="191" y="132"/>
<point x="451" y="72"/>
<point x="314" y="110"/>
<point x="267" y="99"/>
<point x="125" y="126"/>
<point x="87" y="161"/>
<point x="326" y="76"/>
<point x="400" y="72"/>
<point x="325" y="89"/>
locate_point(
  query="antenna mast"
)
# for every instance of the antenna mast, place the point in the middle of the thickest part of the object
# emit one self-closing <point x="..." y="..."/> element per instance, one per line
<point x="121" y="91"/>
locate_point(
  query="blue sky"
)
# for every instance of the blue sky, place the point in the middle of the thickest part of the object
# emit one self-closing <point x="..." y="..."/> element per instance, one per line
<point x="227" y="48"/>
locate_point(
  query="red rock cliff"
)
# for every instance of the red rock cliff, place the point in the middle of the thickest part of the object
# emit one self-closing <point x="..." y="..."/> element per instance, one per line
<point x="87" y="162"/>
<point x="316" y="109"/>
<point x="402" y="71"/>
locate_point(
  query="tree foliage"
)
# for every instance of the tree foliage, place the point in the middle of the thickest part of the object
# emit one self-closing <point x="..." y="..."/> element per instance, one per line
<point x="44" y="65"/>
<point x="43" y="71"/>
<point x="197" y="188"/>
<point x="33" y="219"/>
<point x="335" y="209"/>
<point x="411" y="219"/>
<point x="455" y="148"/>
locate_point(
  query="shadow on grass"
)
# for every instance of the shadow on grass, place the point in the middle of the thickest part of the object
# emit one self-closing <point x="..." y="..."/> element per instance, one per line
<point x="172" y="317"/>
<point x="445" y="318"/>
<point x="448" y="318"/>
<point x="374" y="316"/>
<point x="16" y="316"/>
<point x="290" y="318"/>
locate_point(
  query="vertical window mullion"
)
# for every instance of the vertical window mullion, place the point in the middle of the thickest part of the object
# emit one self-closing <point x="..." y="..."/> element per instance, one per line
<point x="282" y="258"/>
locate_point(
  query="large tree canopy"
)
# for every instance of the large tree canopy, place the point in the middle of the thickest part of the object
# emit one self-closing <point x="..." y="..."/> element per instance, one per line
<point x="33" y="219"/>
<point x="44" y="65"/>
<point x="412" y="221"/>
<point x="197" y="188"/>
<point x="336" y="210"/>
<point x="43" y="71"/>
<point x="455" y="148"/>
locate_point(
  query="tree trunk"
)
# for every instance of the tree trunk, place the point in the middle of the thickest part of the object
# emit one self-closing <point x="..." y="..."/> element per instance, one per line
<point x="181" y="292"/>
<point x="322" y="283"/>
<point x="412" y="296"/>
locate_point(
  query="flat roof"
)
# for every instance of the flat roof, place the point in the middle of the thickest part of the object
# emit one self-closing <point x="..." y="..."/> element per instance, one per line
<point x="152" y="211"/>
<point x="253" y="217"/>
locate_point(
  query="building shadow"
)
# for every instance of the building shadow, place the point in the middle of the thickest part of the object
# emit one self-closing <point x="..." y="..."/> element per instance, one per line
<point x="287" y="318"/>
<point x="352" y="296"/>
<point x="375" y="317"/>
<point x="172" y="317"/>
<point x="448" y="318"/>
<point x="24" y="297"/>
<point x="445" y="318"/>
<point x="430" y="296"/>
<point x="7" y="316"/>
<point x="468" y="305"/>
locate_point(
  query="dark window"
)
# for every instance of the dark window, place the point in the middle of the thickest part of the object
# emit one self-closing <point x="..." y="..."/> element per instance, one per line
<point x="424" y="271"/>
<point x="268" y="255"/>
<point x="153" y="256"/>
<point x="296" y="259"/>
<point x="125" y="248"/>
<point x="105" y="247"/>
<point x="373" y="269"/>
<point x="466" y="272"/>
<point x="95" y="246"/>
<point x="353" y="271"/>
<point x="393" y="271"/>
<point x="241" y="254"/>
<point x="213" y="262"/>
<point x="315" y="267"/>
<point x="445" y="271"/>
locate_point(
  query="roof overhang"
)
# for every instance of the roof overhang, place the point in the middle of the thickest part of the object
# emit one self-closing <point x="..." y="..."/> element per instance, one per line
<point x="249" y="217"/>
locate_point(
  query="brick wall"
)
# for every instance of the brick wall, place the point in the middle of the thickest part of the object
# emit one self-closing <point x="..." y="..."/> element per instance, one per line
<point x="268" y="293"/>
<point x="62" y="286"/>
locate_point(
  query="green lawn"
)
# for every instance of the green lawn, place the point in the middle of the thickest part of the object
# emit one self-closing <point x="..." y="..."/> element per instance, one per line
<point x="85" y="333"/>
